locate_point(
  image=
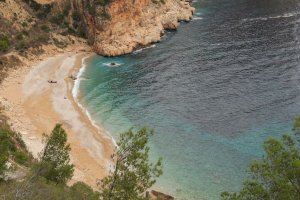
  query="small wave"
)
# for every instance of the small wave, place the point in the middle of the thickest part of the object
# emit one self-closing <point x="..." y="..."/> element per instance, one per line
<point x="287" y="15"/>
<point x="75" y="92"/>
<point x="197" y="18"/>
<point x="75" y="89"/>
<point x="141" y="49"/>
<point x="112" y="64"/>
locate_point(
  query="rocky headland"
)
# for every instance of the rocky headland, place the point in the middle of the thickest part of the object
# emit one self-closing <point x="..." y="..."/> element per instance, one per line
<point x="137" y="23"/>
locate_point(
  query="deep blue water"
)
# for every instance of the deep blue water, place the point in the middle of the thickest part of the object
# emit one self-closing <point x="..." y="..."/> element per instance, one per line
<point x="213" y="91"/>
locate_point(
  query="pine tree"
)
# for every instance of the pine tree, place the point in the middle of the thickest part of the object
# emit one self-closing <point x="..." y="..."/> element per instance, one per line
<point x="55" y="161"/>
<point x="133" y="174"/>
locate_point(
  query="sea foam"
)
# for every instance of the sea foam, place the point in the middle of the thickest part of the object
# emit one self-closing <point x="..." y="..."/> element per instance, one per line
<point x="75" y="94"/>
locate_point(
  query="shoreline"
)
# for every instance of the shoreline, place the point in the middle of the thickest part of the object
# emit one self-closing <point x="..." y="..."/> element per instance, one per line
<point x="34" y="106"/>
<point x="75" y="94"/>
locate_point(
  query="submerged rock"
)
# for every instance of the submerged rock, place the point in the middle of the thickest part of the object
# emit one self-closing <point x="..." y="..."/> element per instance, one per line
<point x="159" y="195"/>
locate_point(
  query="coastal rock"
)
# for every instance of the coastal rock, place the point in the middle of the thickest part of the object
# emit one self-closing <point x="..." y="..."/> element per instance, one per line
<point x="155" y="195"/>
<point x="137" y="23"/>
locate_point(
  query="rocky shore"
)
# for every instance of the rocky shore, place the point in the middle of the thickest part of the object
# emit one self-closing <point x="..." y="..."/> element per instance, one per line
<point x="138" y="23"/>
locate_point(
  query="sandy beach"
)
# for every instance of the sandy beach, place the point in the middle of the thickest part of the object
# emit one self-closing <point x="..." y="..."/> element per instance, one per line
<point x="34" y="106"/>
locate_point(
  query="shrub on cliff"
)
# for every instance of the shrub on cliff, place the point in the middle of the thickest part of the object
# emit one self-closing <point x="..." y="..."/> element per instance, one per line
<point x="81" y="190"/>
<point x="133" y="173"/>
<point x="276" y="176"/>
<point x="4" y="43"/>
<point x="12" y="148"/>
<point x="37" y="188"/>
<point x="33" y="186"/>
<point x="55" y="161"/>
<point x="103" y="2"/>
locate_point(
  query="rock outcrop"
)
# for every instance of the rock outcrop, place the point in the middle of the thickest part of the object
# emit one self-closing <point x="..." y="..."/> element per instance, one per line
<point x="135" y="23"/>
<point x="155" y="195"/>
<point x="116" y="27"/>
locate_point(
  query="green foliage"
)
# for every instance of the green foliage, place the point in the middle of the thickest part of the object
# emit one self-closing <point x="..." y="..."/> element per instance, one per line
<point x="103" y="2"/>
<point x="21" y="46"/>
<point x="33" y="186"/>
<point x="3" y="157"/>
<point x="19" y="36"/>
<point x="81" y="190"/>
<point x="71" y="31"/>
<point x="159" y="1"/>
<point x="133" y="173"/>
<point x="21" y="157"/>
<point x="275" y="177"/>
<point x="105" y="15"/>
<point x="4" y="43"/>
<point x="13" y="147"/>
<point x="3" y="160"/>
<point x="45" y="28"/>
<point x="91" y="9"/>
<point x="76" y="16"/>
<point x="24" y="24"/>
<point x="42" y="10"/>
<point x="37" y="188"/>
<point x="58" y="18"/>
<point x="55" y="162"/>
<point x="296" y="127"/>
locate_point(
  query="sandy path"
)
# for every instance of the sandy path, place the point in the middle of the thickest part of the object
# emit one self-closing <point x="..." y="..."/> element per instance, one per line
<point x="35" y="106"/>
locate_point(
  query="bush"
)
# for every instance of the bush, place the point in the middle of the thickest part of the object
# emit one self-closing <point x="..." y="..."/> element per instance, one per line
<point x="11" y="145"/>
<point x="21" y="158"/>
<point x="76" y="16"/>
<point x="19" y="36"/>
<point x="91" y="9"/>
<point x="39" y="188"/>
<point x="4" y="43"/>
<point x="45" y="28"/>
<point x="105" y="15"/>
<point x="24" y="24"/>
<point x="57" y="19"/>
<point x="103" y="2"/>
<point x="81" y="190"/>
<point x="21" y="46"/>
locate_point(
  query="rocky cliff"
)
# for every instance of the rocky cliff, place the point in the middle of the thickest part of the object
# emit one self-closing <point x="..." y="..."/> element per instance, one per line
<point x="112" y="27"/>
<point x="135" y="23"/>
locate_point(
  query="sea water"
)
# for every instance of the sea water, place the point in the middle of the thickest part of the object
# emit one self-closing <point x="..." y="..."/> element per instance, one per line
<point x="213" y="91"/>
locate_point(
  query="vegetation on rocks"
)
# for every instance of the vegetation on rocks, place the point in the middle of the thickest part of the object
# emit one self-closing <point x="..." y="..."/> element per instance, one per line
<point x="4" y="43"/>
<point x="12" y="148"/>
<point x="47" y="178"/>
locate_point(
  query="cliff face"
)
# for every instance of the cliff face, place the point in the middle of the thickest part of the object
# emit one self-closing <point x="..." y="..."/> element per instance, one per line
<point x="113" y="27"/>
<point x="134" y="23"/>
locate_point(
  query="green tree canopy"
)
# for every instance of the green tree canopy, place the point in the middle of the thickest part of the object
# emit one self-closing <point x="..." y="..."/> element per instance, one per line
<point x="133" y="173"/>
<point x="276" y="176"/>
<point x="55" y="161"/>
<point x="5" y="145"/>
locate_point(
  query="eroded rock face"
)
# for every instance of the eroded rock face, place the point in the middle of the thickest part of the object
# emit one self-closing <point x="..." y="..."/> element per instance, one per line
<point x="135" y="23"/>
<point x="120" y="26"/>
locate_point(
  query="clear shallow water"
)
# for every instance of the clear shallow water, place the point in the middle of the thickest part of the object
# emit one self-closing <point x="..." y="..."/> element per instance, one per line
<point x="213" y="91"/>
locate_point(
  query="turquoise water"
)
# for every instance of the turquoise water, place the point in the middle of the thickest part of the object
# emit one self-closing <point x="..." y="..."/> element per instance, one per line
<point x="213" y="91"/>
